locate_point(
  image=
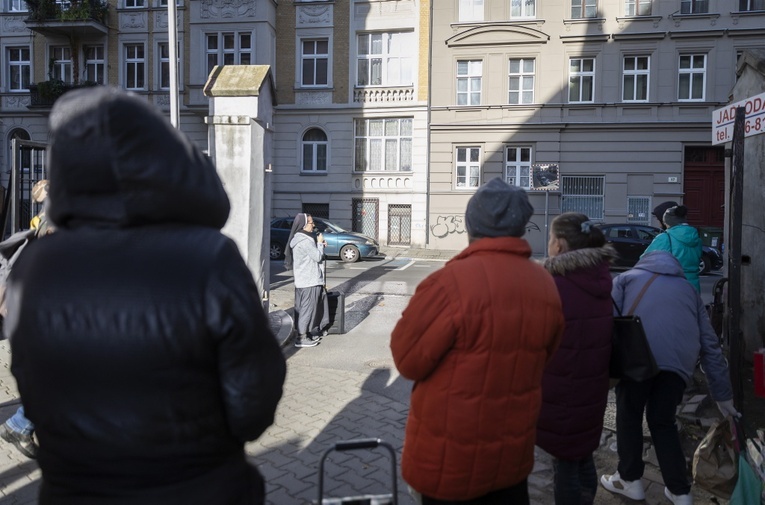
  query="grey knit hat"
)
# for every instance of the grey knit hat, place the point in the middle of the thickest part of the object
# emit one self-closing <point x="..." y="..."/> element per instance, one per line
<point x="660" y="209"/>
<point x="498" y="210"/>
<point x="674" y="216"/>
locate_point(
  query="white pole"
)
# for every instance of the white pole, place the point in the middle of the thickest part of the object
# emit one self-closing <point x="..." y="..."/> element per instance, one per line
<point x="172" y="34"/>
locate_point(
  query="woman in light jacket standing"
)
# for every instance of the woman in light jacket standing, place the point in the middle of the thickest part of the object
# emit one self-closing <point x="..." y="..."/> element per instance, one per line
<point x="678" y="331"/>
<point x="575" y="381"/>
<point x="304" y="256"/>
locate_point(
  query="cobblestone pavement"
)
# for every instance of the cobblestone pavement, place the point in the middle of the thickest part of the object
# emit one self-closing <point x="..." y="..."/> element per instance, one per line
<point x="346" y="388"/>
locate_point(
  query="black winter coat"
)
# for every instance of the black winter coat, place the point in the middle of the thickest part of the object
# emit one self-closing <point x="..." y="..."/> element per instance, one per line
<point x="575" y="381"/>
<point x="140" y="347"/>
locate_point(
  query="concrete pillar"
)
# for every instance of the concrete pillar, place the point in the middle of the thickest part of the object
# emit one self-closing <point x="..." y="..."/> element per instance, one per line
<point x="240" y="136"/>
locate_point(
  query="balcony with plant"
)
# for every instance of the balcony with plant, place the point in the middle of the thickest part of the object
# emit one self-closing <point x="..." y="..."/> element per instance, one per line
<point x="45" y="11"/>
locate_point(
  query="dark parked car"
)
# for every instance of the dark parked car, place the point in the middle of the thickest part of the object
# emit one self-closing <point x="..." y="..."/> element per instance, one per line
<point x="631" y="240"/>
<point x="349" y="246"/>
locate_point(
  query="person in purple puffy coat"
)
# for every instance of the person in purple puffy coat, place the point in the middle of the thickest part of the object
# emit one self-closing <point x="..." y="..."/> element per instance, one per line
<point x="575" y="381"/>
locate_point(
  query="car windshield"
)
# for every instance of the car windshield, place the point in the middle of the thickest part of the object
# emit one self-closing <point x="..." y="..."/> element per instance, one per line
<point x="647" y="233"/>
<point x="323" y="226"/>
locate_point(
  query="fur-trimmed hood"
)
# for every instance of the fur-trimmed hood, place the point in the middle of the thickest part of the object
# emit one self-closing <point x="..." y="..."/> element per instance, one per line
<point x="580" y="258"/>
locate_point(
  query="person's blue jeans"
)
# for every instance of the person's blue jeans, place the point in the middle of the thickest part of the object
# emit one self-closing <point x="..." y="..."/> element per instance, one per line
<point x="19" y="423"/>
<point x="576" y="482"/>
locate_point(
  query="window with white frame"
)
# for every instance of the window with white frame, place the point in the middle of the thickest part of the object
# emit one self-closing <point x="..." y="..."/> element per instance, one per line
<point x="637" y="7"/>
<point x="230" y="48"/>
<point x="163" y="3"/>
<point x="581" y="9"/>
<point x="163" y="48"/>
<point x="17" y="6"/>
<point x="521" y="81"/>
<point x="469" y="76"/>
<point x="314" y="62"/>
<point x="314" y="151"/>
<point x="61" y="63"/>
<point x="523" y="9"/>
<point x="751" y="5"/>
<point x="385" y="59"/>
<point x="135" y="66"/>
<point x="95" y="64"/>
<point x="383" y="144"/>
<point x="694" y="6"/>
<point x="133" y="4"/>
<point x="584" y="194"/>
<point x="18" y="68"/>
<point x="635" y="74"/>
<point x="581" y="80"/>
<point x="692" y="74"/>
<point x="470" y="10"/>
<point x="518" y="166"/>
<point x="468" y="167"/>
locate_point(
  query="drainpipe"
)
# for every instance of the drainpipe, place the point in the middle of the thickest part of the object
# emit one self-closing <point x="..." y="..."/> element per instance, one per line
<point x="427" y="135"/>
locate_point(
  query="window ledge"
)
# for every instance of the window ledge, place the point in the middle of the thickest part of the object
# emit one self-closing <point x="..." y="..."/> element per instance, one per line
<point x="622" y="21"/>
<point x="577" y="21"/>
<point x="742" y="14"/>
<point x="677" y="18"/>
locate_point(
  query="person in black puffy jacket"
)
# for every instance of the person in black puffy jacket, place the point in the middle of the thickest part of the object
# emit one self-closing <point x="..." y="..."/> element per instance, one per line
<point x="138" y="340"/>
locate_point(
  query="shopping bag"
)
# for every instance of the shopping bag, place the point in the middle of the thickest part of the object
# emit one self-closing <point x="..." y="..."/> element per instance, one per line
<point x="631" y="356"/>
<point x="748" y="489"/>
<point x="715" y="460"/>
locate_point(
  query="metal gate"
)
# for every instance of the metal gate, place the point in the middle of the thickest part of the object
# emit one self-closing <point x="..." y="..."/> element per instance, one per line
<point x="399" y="224"/>
<point x="366" y="216"/>
<point x="28" y="165"/>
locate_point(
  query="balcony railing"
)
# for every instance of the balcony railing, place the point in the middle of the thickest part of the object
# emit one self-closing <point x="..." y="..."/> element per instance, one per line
<point x="45" y="93"/>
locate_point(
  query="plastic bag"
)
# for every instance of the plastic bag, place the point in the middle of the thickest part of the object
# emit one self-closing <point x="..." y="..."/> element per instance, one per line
<point x="748" y="490"/>
<point x="715" y="461"/>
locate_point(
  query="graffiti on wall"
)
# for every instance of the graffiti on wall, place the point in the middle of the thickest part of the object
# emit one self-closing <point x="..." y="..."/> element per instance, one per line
<point x="446" y="225"/>
<point x="455" y="223"/>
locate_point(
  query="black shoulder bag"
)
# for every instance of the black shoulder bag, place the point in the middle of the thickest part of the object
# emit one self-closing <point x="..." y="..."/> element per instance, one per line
<point x="631" y="356"/>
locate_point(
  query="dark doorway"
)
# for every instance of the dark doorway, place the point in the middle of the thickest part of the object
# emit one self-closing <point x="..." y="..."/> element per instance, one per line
<point x="704" y="183"/>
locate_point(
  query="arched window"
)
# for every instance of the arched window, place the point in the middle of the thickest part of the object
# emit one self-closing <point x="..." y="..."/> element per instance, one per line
<point x="314" y="151"/>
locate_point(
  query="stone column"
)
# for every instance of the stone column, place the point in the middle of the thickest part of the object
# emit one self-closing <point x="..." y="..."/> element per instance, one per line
<point x="240" y="136"/>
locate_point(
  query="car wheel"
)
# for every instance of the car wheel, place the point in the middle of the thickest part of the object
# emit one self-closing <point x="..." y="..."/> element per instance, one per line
<point x="705" y="265"/>
<point x="349" y="254"/>
<point x="276" y="251"/>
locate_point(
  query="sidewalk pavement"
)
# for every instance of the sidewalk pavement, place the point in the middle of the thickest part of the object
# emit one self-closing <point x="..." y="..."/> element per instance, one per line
<point x="348" y="388"/>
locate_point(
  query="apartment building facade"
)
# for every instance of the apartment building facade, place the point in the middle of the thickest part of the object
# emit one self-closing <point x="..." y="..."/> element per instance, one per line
<point x="49" y="46"/>
<point x="614" y="97"/>
<point x="350" y="140"/>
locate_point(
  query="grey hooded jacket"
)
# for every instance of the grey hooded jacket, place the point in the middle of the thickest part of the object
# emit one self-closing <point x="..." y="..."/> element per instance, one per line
<point x="306" y="261"/>
<point x="675" y="320"/>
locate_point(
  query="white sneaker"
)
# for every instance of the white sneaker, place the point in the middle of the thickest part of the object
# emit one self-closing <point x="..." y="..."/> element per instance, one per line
<point x="678" y="499"/>
<point x="630" y="488"/>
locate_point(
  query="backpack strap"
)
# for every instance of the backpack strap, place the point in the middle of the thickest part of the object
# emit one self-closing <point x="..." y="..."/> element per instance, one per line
<point x="640" y="295"/>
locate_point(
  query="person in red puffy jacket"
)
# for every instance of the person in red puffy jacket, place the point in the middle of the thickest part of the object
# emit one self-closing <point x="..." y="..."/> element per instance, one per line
<point x="475" y="339"/>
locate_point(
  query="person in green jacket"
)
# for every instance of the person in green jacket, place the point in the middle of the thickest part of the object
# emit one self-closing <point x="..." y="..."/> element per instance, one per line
<point x="682" y="241"/>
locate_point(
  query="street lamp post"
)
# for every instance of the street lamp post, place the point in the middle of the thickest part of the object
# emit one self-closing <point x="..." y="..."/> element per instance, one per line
<point x="172" y="33"/>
